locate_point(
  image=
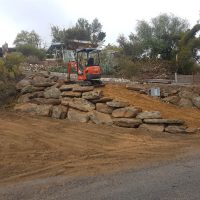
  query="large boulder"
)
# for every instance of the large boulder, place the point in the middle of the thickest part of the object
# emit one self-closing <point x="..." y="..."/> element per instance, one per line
<point x="83" y="89"/>
<point x="149" y="115"/>
<point x="71" y="94"/>
<point x="127" y="112"/>
<point x="78" y="116"/>
<point x="100" y="118"/>
<point x="102" y="107"/>
<point x="68" y="87"/>
<point x="92" y="95"/>
<point x="45" y="101"/>
<point x="42" y="110"/>
<point x="59" y="112"/>
<point x="82" y="104"/>
<point x="52" y="93"/>
<point x="153" y="127"/>
<point x="185" y="103"/>
<point x="127" y="122"/>
<point x="117" y="104"/>
<point x="196" y="101"/>
<point x="176" y="129"/>
<point x="164" y="121"/>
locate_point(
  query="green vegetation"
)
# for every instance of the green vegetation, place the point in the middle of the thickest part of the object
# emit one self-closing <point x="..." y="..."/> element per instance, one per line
<point x="82" y="30"/>
<point x="10" y="66"/>
<point x="166" y="37"/>
<point x="28" y="43"/>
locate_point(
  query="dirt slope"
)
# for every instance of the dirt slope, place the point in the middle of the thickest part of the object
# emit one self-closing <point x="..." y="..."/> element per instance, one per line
<point x="33" y="147"/>
<point x="191" y="116"/>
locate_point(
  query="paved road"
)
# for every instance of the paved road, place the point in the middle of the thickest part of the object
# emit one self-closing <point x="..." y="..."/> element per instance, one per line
<point x="174" y="181"/>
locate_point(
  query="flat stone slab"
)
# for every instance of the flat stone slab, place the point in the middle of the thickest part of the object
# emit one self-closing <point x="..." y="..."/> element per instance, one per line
<point x="164" y="121"/>
<point x="92" y="95"/>
<point x="71" y="94"/>
<point x="102" y="100"/>
<point x="83" y="89"/>
<point x="127" y="122"/>
<point x="176" y="129"/>
<point x="127" y="112"/>
<point x="68" y="87"/>
<point x="46" y="101"/>
<point x="149" y="115"/>
<point x="117" y="104"/>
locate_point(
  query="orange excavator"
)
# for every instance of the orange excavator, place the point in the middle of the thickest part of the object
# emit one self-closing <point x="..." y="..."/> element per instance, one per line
<point x="87" y="66"/>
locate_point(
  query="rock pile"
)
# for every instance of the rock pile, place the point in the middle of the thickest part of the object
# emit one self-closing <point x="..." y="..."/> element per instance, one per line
<point x="50" y="96"/>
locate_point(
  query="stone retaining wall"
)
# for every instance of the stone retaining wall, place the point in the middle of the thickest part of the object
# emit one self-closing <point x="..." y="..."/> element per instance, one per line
<point x="55" y="97"/>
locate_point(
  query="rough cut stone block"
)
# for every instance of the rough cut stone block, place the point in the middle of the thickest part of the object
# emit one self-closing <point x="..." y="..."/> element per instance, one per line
<point x="78" y="116"/>
<point x="100" y="118"/>
<point x="127" y="112"/>
<point x="102" y="107"/>
<point x="117" y="104"/>
<point x="127" y="122"/>
<point x="164" y="121"/>
<point x="149" y="115"/>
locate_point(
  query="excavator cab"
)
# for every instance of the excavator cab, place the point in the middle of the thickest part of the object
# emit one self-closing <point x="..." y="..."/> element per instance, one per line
<point x="87" y="65"/>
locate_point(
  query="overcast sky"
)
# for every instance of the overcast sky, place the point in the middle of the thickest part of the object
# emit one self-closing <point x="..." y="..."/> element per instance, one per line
<point x="116" y="16"/>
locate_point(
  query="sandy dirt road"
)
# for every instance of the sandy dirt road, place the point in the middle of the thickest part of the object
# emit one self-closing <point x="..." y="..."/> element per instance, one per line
<point x="37" y="147"/>
<point x="34" y="147"/>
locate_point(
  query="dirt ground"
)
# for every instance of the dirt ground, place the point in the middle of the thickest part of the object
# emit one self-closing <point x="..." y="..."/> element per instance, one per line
<point x="34" y="147"/>
<point x="190" y="115"/>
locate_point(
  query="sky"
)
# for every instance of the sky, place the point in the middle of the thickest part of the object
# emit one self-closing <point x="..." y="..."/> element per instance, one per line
<point x="116" y="16"/>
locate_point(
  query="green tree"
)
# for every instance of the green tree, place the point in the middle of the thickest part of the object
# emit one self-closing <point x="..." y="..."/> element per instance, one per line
<point x="82" y="30"/>
<point x="30" y="38"/>
<point x="160" y="36"/>
<point x="187" y="55"/>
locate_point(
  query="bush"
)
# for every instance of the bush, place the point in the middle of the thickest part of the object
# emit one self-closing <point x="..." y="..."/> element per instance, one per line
<point x="29" y="50"/>
<point x="127" y="67"/>
<point x="13" y="60"/>
<point x="10" y="66"/>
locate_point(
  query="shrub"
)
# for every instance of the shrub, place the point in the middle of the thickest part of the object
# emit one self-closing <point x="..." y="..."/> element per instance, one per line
<point x="127" y="67"/>
<point x="10" y="66"/>
<point x="29" y="50"/>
